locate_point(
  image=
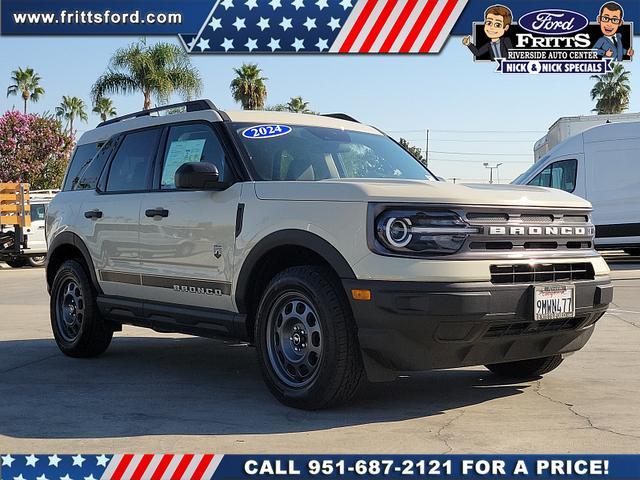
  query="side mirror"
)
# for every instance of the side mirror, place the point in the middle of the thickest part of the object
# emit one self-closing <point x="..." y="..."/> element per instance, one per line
<point x="198" y="176"/>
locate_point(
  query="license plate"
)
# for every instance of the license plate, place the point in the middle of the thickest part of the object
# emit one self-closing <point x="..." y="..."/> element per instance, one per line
<point x="554" y="301"/>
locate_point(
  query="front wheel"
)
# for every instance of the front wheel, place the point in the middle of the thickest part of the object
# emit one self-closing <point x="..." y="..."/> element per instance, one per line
<point x="78" y="327"/>
<point x="37" y="261"/>
<point x="526" y="369"/>
<point x="306" y="339"/>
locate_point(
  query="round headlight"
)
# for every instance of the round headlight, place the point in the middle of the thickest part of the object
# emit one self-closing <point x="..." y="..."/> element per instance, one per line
<point x="398" y="232"/>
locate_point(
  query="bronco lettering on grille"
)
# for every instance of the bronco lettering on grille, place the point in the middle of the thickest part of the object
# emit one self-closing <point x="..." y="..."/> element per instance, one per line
<point x="538" y="230"/>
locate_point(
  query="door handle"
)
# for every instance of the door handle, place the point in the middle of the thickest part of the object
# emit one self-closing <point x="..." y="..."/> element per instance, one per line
<point x="93" y="214"/>
<point x="157" y="212"/>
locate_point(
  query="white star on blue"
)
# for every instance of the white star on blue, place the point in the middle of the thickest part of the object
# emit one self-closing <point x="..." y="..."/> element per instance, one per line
<point x="54" y="467"/>
<point x="267" y="26"/>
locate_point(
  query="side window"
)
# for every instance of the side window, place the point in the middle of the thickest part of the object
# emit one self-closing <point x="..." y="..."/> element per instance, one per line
<point x="191" y="143"/>
<point x="563" y="175"/>
<point x="131" y="167"/>
<point x="38" y="211"/>
<point x="560" y="175"/>
<point x="81" y="158"/>
<point x="87" y="177"/>
<point x="543" y="179"/>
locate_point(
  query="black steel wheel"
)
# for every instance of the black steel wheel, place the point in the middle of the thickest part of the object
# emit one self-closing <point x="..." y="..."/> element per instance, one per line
<point x="294" y="339"/>
<point x="77" y="326"/>
<point x="69" y="309"/>
<point x="307" y="340"/>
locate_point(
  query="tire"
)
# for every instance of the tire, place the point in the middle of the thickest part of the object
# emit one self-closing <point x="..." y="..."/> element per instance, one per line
<point x="37" y="261"/>
<point x="18" y="262"/>
<point x="305" y="308"/>
<point x="77" y="326"/>
<point x="526" y="369"/>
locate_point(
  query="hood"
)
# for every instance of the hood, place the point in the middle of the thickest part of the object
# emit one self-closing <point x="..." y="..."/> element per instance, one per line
<point x="417" y="191"/>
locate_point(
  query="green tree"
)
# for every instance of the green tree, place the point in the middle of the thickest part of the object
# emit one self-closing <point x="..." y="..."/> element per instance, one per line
<point x="414" y="151"/>
<point x="248" y="87"/>
<point x="158" y="71"/>
<point x="612" y="91"/>
<point x="69" y="109"/>
<point x="26" y="83"/>
<point x="298" y="105"/>
<point x="104" y="107"/>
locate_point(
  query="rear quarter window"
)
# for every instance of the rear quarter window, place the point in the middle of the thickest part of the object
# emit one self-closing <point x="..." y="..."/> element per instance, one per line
<point x="82" y="155"/>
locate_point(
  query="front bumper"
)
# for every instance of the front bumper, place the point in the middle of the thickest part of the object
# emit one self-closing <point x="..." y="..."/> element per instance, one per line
<point x="412" y="326"/>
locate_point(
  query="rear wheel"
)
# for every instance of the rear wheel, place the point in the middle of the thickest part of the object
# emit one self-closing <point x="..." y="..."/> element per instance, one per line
<point x="306" y="339"/>
<point x="18" y="262"/>
<point x="78" y="328"/>
<point x="37" y="261"/>
<point x="526" y="369"/>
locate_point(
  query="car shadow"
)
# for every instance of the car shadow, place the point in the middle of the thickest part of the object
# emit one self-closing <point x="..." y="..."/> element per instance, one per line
<point x="195" y="386"/>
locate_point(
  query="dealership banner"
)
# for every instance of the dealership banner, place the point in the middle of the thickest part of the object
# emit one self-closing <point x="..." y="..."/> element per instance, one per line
<point x="327" y="26"/>
<point x="207" y="466"/>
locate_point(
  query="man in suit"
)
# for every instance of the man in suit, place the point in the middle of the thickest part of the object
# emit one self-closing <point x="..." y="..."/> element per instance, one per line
<point x="610" y="45"/>
<point x="497" y="19"/>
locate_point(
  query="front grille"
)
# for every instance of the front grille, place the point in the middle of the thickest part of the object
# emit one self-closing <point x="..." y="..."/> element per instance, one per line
<point x="526" y="218"/>
<point x="531" y="328"/>
<point x="528" y="231"/>
<point x="541" y="272"/>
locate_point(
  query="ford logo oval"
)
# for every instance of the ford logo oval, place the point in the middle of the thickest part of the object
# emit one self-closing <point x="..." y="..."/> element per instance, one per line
<point x="553" y="22"/>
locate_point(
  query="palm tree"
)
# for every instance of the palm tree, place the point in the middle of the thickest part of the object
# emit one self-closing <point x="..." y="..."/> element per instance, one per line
<point x="248" y="87"/>
<point x="158" y="70"/>
<point x="27" y="84"/>
<point x="104" y="107"/>
<point x="298" y="105"/>
<point x="71" y="108"/>
<point x="612" y="91"/>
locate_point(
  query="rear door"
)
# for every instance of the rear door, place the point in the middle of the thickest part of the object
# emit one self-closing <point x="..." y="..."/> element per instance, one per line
<point x="111" y="215"/>
<point x="186" y="251"/>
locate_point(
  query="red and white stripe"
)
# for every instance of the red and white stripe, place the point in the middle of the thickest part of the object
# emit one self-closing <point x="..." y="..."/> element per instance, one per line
<point x="161" y="467"/>
<point x="398" y="26"/>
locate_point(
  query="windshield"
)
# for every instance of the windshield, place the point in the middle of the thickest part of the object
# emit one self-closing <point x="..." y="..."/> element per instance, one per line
<point x="283" y="152"/>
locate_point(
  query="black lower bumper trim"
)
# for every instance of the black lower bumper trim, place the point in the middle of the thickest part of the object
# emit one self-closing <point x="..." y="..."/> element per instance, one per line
<point x="410" y="326"/>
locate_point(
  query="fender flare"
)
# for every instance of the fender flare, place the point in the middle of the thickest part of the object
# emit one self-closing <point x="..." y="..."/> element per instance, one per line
<point x="282" y="238"/>
<point x="70" y="238"/>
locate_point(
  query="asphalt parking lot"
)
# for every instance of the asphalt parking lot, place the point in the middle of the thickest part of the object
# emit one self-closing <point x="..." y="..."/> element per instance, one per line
<point x="156" y="392"/>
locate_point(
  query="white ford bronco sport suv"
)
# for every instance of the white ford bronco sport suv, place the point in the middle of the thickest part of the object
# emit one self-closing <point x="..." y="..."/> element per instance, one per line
<point x="321" y="241"/>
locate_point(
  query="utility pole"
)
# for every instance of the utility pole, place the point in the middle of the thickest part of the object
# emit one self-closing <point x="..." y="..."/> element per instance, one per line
<point x="426" y="150"/>
<point x="491" y="169"/>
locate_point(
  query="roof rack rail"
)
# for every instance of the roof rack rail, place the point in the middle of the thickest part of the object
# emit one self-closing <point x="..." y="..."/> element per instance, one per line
<point x="340" y="116"/>
<point x="191" y="106"/>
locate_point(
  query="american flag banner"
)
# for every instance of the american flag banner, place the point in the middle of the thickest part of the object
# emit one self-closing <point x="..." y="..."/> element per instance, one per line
<point x="109" y="467"/>
<point x="326" y="26"/>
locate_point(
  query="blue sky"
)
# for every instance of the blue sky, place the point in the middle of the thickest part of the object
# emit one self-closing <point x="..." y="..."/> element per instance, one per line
<point x="469" y="109"/>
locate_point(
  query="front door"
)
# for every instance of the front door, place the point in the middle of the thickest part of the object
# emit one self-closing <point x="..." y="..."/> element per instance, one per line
<point x="187" y="238"/>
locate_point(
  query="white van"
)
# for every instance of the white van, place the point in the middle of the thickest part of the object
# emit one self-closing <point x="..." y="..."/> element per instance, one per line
<point x="602" y="165"/>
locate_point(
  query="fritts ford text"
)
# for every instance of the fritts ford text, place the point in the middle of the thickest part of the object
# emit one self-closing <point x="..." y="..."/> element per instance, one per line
<point x="89" y="17"/>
